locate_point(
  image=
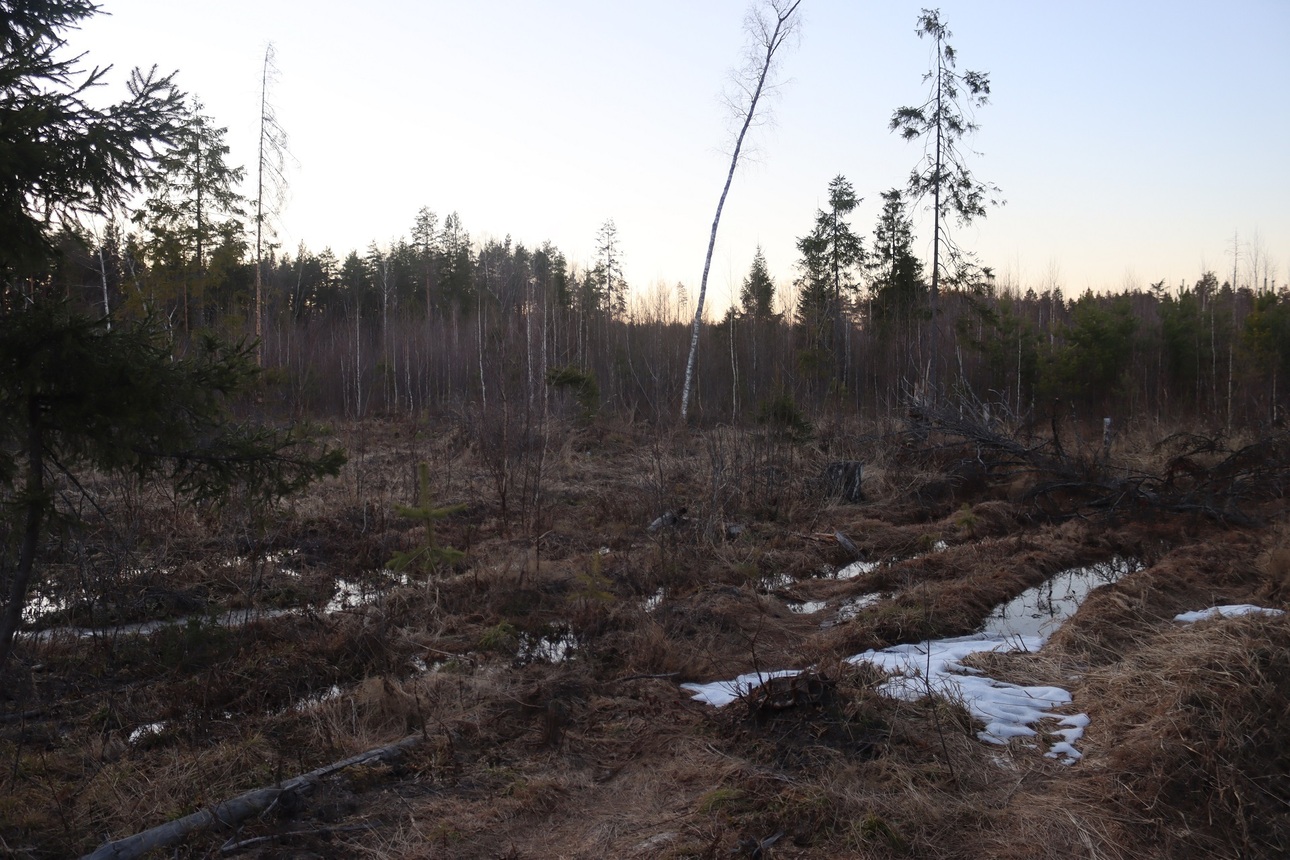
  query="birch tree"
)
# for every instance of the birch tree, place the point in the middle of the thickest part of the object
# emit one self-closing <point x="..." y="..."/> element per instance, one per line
<point x="270" y="180"/>
<point x="769" y="25"/>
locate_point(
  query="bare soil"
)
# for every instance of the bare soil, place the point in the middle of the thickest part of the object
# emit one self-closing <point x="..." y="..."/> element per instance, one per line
<point x="543" y="670"/>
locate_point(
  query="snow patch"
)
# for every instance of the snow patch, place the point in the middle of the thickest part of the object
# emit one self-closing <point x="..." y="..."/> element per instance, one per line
<point x="1236" y="611"/>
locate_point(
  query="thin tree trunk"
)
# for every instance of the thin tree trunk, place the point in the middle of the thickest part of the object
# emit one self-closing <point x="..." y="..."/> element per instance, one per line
<point x="103" y="271"/>
<point x="772" y="44"/>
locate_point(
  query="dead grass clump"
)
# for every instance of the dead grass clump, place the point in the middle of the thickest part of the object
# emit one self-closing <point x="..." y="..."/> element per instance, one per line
<point x="1191" y="731"/>
<point x="1276" y="564"/>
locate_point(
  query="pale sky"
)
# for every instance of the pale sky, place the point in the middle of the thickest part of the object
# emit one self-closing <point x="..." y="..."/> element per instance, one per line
<point x="1131" y="140"/>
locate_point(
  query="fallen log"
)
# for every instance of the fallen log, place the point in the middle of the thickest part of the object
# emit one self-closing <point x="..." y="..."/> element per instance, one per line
<point x="230" y="812"/>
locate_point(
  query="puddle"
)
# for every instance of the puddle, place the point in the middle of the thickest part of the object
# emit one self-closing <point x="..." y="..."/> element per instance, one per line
<point x="41" y="606"/>
<point x="553" y="647"/>
<point x="233" y="618"/>
<point x="351" y="594"/>
<point x="808" y="607"/>
<point x="777" y="581"/>
<point x="1039" y="611"/>
<point x="317" y="699"/>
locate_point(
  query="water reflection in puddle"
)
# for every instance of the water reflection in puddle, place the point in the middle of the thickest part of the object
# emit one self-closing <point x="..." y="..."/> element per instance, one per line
<point x="808" y="607"/>
<point x="553" y="647"/>
<point x="1039" y="611"/>
<point x="351" y="594"/>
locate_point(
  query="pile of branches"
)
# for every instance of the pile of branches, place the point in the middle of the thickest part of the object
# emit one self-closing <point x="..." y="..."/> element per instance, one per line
<point x="1201" y="475"/>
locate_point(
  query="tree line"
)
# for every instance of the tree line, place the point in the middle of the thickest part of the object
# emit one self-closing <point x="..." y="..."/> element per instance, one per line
<point x="436" y="320"/>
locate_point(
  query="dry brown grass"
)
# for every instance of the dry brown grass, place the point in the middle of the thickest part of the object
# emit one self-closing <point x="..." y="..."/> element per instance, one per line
<point x="601" y="754"/>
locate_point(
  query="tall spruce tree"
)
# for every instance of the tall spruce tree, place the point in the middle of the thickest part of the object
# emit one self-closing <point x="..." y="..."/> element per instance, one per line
<point x="942" y="173"/>
<point x="76" y="394"/>
<point x="832" y="256"/>
<point x="758" y="291"/>
<point x="897" y="288"/>
<point x="193" y="209"/>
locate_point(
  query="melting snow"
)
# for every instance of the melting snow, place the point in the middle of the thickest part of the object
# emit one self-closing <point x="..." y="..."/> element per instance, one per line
<point x="1226" y="612"/>
<point x="852" y="607"/>
<point x="721" y="693"/>
<point x="856" y="568"/>
<point x="1006" y="710"/>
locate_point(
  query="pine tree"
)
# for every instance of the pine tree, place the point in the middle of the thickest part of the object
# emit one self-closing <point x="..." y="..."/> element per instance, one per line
<point x="942" y="173"/>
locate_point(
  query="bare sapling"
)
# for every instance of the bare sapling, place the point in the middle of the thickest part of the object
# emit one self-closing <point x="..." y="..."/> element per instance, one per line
<point x="769" y="25"/>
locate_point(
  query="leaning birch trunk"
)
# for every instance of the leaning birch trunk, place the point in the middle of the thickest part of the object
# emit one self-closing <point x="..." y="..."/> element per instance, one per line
<point x="232" y="811"/>
<point x="769" y="42"/>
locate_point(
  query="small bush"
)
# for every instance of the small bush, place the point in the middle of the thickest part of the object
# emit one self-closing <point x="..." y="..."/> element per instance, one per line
<point x="781" y="413"/>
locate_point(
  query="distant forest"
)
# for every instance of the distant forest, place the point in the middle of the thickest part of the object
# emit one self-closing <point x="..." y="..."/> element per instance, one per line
<point x="437" y="321"/>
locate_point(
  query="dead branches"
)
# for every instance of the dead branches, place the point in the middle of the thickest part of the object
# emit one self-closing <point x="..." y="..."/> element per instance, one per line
<point x="1202" y="475"/>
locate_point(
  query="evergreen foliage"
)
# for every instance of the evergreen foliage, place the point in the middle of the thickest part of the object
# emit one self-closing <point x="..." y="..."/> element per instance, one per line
<point x="61" y="157"/>
<point x="78" y="393"/>
<point x="430" y="556"/>
<point x="832" y="257"/>
<point x="129" y="407"/>
<point x="758" y="291"/>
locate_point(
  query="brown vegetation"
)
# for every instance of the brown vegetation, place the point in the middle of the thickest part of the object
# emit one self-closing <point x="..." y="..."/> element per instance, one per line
<point x="541" y="672"/>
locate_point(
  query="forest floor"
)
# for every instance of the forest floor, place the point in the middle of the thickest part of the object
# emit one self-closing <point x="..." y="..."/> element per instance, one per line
<point x="542" y="673"/>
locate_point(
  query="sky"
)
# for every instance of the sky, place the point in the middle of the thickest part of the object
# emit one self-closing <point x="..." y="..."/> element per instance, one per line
<point x="1133" y="142"/>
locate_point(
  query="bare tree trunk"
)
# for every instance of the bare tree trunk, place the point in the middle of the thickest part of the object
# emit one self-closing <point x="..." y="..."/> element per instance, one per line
<point x="768" y="44"/>
<point x="103" y="271"/>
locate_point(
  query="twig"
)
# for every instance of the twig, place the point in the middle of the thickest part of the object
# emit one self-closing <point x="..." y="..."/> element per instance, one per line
<point x="659" y="676"/>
